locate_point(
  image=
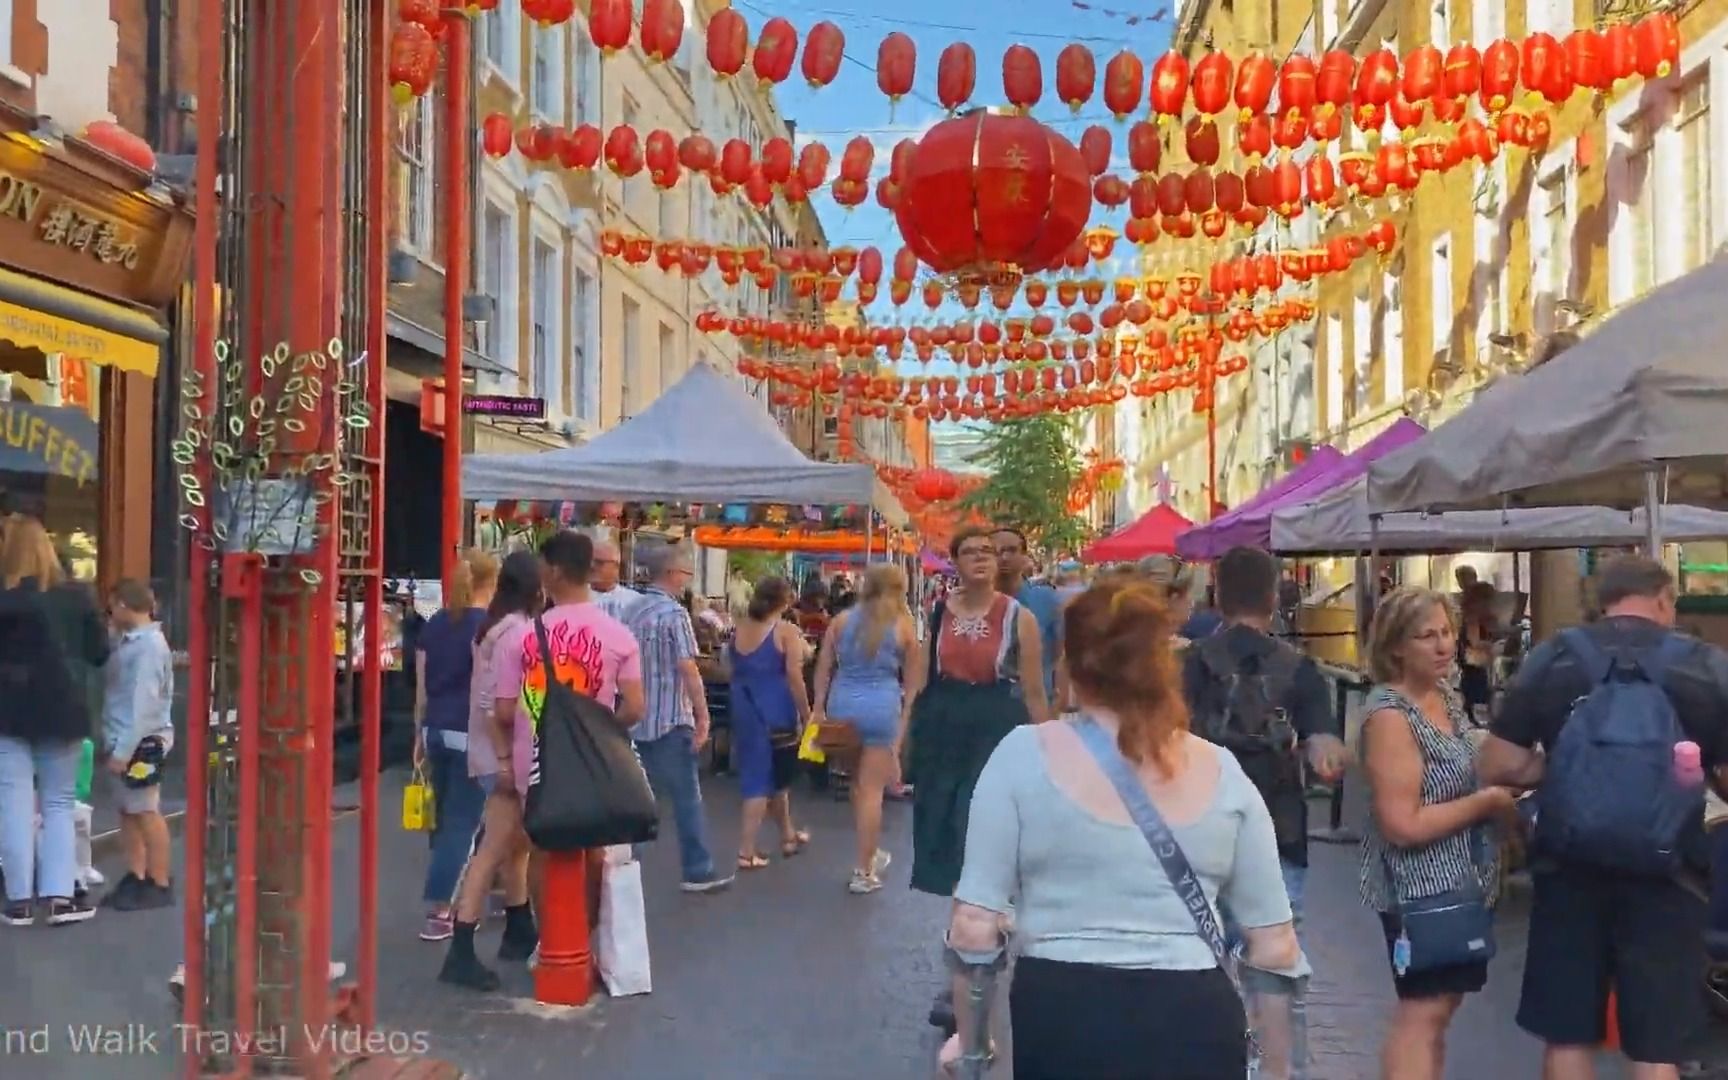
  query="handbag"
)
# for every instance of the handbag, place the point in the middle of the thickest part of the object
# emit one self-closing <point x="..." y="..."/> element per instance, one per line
<point x="1169" y="854"/>
<point x="1451" y="928"/>
<point x="807" y="748"/>
<point x="419" y="806"/>
<point x="586" y="786"/>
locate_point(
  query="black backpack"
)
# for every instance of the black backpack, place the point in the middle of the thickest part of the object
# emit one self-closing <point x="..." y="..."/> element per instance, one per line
<point x="1240" y="706"/>
<point x="35" y="678"/>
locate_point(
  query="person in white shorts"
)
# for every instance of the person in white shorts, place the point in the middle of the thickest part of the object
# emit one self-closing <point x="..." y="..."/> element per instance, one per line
<point x="137" y="733"/>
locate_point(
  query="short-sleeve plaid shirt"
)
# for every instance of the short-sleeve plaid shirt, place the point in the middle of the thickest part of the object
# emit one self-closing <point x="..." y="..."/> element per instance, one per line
<point x="664" y="631"/>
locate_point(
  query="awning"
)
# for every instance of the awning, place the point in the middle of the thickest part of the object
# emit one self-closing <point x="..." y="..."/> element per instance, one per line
<point x="38" y="314"/>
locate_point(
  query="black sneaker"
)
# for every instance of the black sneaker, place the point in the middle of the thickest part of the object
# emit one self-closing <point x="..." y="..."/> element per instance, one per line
<point x="64" y="912"/>
<point x="18" y="913"/>
<point x="462" y="968"/>
<point x="122" y="890"/>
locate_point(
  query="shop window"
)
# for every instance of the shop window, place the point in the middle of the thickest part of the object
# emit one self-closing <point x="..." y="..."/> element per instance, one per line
<point x="1692" y="121"/>
<point x="51" y="449"/>
<point x="414" y="145"/>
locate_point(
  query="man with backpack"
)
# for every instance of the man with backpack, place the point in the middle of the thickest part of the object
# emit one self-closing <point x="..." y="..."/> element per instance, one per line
<point x="1267" y="703"/>
<point x="1618" y="725"/>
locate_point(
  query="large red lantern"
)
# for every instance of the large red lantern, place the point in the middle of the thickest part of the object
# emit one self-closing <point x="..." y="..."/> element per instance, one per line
<point x="775" y="50"/>
<point x="1123" y="77"/>
<point x="1111" y="191"/>
<point x="424" y="12"/>
<point x="1095" y="149"/>
<point x="735" y="161"/>
<point x="1254" y="137"/>
<point x="1407" y="113"/>
<point x="1291" y="128"/>
<point x="1143" y="197"/>
<point x="813" y="166"/>
<point x="777" y="160"/>
<point x="1076" y="75"/>
<point x="896" y="65"/>
<point x="994" y="193"/>
<point x="495" y="135"/>
<point x="1476" y="141"/>
<point x="1337" y="72"/>
<point x="660" y="153"/>
<point x="1145" y="147"/>
<point x="1584" y="59"/>
<point x="1463" y="75"/>
<point x="623" y="151"/>
<point x="824" y="47"/>
<point x="1322" y="183"/>
<point x="609" y="25"/>
<point x="1657" y="37"/>
<point x="1287" y="188"/>
<point x="870" y="265"/>
<point x="956" y="75"/>
<point x="696" y="153"/>
<point x="1255" y="76"/>
<point x="662" y="29"/>
<point x="1296" y="85"/>
<point x="1022" y="77"/>
<point x="1201" y="137"/>
<point x="856" y="159"/>
<point x="580" y="150"/>
<point x="1211" y="84"/>
<point x="728" y="38"/>
<point x="1423" y="70"/>
<point x="1619" y="52"/>
<point x="413" y="62"/>
<point x="1540" y="59"/>
<point x="1376" y="80"/>
<point x="1169" y="91"/>
<point x="1229" y="193"/>
<point x="1499" y="75"/>
<point x="1198" y="191"/>
<point x="1172" y="194"/>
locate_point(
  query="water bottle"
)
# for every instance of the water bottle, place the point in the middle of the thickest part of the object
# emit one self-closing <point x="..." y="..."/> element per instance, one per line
<point x="1688" y="764"/>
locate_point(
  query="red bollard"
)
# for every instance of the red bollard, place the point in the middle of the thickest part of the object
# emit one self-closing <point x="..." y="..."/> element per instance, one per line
<point x="565" y="974"/>
<point x="1611" y="1040"/>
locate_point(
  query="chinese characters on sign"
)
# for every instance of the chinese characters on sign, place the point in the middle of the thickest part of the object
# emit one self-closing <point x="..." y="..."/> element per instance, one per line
<point x="68" y="225"/>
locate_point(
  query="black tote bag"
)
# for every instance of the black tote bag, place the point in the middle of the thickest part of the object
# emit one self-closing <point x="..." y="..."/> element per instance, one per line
<point x="586" y="788"/>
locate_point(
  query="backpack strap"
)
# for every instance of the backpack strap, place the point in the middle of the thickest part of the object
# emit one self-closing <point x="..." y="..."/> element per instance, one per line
<point x="937" y="614"/>
<point x="1597" y="664"/>
<point x="1655" y="662"/>
<point x="1215" y="653"/>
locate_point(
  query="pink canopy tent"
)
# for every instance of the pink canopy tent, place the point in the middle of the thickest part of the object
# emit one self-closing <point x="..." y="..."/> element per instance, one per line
<point x="1152" y="533"/>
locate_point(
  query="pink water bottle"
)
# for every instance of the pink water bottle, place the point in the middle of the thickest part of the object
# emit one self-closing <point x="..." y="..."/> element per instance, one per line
<point x="1688" y="764"/>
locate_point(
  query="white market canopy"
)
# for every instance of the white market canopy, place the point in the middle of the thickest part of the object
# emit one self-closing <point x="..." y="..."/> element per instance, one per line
<point x="1338" y="523"/>
<point x="1646" y="391"/>
<point x="704" y="440"/>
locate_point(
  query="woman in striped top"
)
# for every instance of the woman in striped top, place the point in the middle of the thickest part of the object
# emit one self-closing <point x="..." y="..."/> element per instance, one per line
<point x="1427" y="832"/>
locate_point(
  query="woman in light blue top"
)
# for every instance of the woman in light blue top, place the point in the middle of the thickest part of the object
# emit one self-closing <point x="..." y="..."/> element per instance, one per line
<point x="864" y="683"/>
<point x="1095" y="916"/>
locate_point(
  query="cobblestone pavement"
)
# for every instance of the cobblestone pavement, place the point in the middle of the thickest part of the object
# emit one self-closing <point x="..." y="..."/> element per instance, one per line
<point x="784" y="977"/>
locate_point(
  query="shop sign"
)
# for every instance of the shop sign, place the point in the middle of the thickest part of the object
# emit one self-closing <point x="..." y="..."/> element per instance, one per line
<point x="61" y="223"/>
<point x="48" y="439"/>
<point x="516" y="408"/>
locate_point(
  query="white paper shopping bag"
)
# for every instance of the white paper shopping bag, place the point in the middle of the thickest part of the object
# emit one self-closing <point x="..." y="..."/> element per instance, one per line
<point x="621" y="945"/>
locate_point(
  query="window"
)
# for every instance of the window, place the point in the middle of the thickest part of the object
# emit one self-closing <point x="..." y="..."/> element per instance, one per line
<point x="1440" y="271"/>
<point x="630" y="337"/>
<point x="1488" y="20"/>
<point x="414" y="145"/>
<point x="1362" y="353"/>
<point x="1488" y="273"/>
<point x="498" y="272"/>
<point x="1334" y="371"/>
<point x="1550" y="247"/>
<point x="587" y="81"/>
<point x="669" y="207"/>
<point x="1548" y="16"/>
<point x="1641" y="208"/>
<point x="6" y="35"/>
<point x="1440" y="23"/>
<point x="1392" y="336"/>
<point x="669" y="365"/>
<point x="583" y="367"/>
<point x="1692" y="122"/>
<point x="543" y="324"/>
<point x="681" y="62"/>
<point x="548" y="85"/>
<point x="503" y="33"/>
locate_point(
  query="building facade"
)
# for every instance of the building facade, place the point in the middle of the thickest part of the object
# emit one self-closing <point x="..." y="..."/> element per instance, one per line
<point x="93" y="256"/>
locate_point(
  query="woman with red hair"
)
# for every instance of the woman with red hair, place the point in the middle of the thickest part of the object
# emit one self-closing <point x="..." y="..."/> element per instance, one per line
<point x="1112" y="838"/>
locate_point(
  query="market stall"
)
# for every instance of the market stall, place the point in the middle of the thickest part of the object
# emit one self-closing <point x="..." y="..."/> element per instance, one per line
<point x="1152" y="533"/>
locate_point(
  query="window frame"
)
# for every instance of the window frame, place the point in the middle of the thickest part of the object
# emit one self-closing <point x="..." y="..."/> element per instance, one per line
<point x="504" y="25"/>
<point x="557" y="110"/>
<point x="499" y="196"/>
<point x="416" y="183"/>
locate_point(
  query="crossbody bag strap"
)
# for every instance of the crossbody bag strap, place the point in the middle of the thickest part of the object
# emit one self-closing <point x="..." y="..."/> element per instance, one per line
<point x="936" y="615"/>
<point x="1158" y="836"/>
<point x="545" y="657"/>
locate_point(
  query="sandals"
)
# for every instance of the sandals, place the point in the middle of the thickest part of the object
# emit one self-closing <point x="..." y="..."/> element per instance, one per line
<point x="752" y="862"/>
<point x="799" y="841"/>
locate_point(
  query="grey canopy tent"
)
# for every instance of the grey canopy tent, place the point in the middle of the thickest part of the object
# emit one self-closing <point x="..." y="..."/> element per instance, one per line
<point x="1635" y="413"/>
<point x="1339" y="523"/>
<point x="704" y="441"/>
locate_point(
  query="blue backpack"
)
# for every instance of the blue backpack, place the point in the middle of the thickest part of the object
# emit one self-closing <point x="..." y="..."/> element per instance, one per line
<point x="1609" y="798"/>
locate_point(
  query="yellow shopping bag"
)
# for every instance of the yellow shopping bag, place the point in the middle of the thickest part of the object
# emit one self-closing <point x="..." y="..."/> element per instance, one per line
<point x="419" y="808"/>
<point x="807" y="748"/>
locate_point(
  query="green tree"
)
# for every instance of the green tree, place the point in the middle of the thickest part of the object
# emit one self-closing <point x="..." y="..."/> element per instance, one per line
<point x="1030" y="467"/>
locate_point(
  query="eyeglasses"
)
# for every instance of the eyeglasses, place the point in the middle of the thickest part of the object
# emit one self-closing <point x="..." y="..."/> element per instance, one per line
<point x="977" y="553"/>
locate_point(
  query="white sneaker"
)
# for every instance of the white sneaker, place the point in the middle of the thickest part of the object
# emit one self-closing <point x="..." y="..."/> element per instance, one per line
<point x="863" y="884"/>
<point x="94" y="878"/>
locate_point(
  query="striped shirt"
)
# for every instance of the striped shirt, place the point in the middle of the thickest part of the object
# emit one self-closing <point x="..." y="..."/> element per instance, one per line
<point x="1392" y="874"/>
<point x="617" y="601"/>
<point x="664" y="631"/>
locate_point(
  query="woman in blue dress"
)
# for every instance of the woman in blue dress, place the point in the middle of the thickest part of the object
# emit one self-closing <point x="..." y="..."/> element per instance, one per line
<point x="864" y="683"/>
<point x="769" y="709"/>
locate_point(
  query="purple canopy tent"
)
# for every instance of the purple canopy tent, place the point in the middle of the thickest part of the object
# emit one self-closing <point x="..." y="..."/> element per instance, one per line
<point x="934" y="562"/>
<point x="1322" y="459"/>
<point x="1250" y="525"/>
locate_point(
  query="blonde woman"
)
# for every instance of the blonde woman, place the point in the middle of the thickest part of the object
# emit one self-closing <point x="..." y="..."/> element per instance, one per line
<point x="51" y="641"/>
<point x="1427" y="835"/>
<point x="444" y="655"/>
<point x="864" y="682"/>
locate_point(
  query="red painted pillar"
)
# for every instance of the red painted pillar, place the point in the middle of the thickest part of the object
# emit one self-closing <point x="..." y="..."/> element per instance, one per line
<point x="565" y="975"/>
<point x="458" y="134"/>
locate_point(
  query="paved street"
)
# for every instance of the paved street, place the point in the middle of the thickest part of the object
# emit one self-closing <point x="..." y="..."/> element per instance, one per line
<point x="785" y="977"/>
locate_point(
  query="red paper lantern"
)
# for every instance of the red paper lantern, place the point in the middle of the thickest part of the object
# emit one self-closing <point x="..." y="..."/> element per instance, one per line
<point x="1450" y="110"/>
<point x="896" y="65"/>
<point x="1325" y="127"/>
<point x="1322" y="183"/>
<point x="1499" y="75"/>
<point x="1540" y="59"/>
<point x="662" y="29"/>
<point x="1229" y="193"/>
<point x="1332" y="86"/>
<point x="728" y="38"/>
<point x="1287" y="188"/>
<point x="1076" y="75"/>
<point x="1296" y="83"/>
<point x="1393" y="165"/>
<point x="1172" y="194"/>
<point x="1291" y="129"/>
<point x="813" y="166"/>
<point x="824" y="47"/>
<point x="1619" y="52"/>
<point x="580" y="150"/>
<point x="1463" y="71"/>
<point x="1111" y="191"/>
<point x="1423" y="71"/>
<point x="696" y="153"/>
<point x="1213" y="223"/>
<point x="1407" y="114"/>
<point x="1476" y="141"/>
<point x="1255" y="77"/>
<point x="660" y="153"/>
<point x="495" y="135"/>
<point x="1145" y="147"/>
<point x="1584" y="58"/>
<point x="1258" y="186"/>
<point x="1198" y="191"/>
<point x="775" y="50"/>
<point x="424" y="12"/>
<point x="609" y="24"/>
<point x="1143" y="196"/>
<point x="735" y="161"/>
<point x="623" y="151"/>
<point x="1254" y="137"/>
<point x="1124" y="75"/>
<point x="1022" y="77"/>
<point x="856" y="159"/>
<point x="956" y="75"/>
<point x="1376" y="80"/>
<point x="1211" y="83"/>
<point x="1201" y="137"/>
<point x="1169" y="90"/>
<point x="1657" y="37"/>
<point x="1095" y="149"/>
<point x="413" y="62"/>
<point x="777" y="160"/>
